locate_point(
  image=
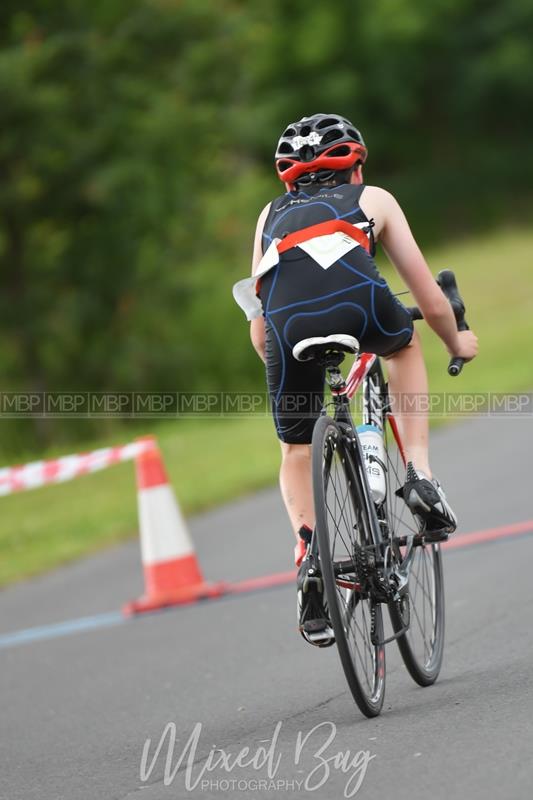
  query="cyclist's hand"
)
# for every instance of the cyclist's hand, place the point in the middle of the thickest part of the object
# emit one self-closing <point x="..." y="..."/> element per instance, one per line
<point x="467" y="345"/>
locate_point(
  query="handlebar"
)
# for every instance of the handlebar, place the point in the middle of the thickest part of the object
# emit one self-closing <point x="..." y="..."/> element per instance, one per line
<point x="448" y="284"/>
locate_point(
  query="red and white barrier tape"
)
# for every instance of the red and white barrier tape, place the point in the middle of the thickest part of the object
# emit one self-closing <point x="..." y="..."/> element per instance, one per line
<point x="59" y="470"/>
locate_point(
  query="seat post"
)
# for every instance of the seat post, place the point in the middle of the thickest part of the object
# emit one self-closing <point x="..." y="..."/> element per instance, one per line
<point x="334" y="377"/>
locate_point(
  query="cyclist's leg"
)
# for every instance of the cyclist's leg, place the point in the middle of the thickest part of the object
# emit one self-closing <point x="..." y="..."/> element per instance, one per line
<point x="424" y="495"/>
<point x="295" y="413"/>
<point x="296" y="486"/>
<point x="296" y="392"/>
<point x="408" y="378"/>
<point x="391" y="335"/>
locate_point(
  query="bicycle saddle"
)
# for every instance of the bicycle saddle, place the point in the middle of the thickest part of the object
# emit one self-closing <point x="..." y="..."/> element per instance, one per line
<point x="320" y="346"/>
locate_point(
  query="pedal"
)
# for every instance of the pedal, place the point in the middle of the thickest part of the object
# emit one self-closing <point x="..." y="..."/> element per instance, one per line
<point x="320" y="638"/>
<point x="315" y="626"/>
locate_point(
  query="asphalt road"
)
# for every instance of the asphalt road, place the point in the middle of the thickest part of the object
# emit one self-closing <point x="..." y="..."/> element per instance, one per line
<point x="77" y="709"/>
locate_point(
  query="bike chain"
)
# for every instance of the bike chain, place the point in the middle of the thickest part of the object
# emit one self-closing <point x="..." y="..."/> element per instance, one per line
<point x="362" y="570"/>
<point x="372" y="582"/>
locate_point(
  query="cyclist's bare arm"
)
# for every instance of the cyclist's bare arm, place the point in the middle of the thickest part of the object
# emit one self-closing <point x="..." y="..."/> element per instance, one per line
<point x="257" y="325"/>
<point x="395" y="235"/>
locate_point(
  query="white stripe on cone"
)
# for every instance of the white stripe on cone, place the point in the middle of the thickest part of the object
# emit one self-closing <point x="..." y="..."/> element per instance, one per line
<point x="164" y="534"/>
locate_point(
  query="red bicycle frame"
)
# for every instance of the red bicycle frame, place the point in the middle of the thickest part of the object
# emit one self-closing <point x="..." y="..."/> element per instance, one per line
<point x="357" y="374"/>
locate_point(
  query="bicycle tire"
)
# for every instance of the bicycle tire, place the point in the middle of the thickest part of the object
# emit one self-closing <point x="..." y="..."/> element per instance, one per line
<point x="422" y="660"/>
<point x="330" y="451"/>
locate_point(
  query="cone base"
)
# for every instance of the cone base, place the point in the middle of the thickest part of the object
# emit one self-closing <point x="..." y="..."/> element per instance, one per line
<point x="178" y="597"/>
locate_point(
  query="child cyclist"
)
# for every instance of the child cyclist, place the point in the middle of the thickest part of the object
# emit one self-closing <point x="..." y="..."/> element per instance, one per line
<point x="317" y="286"/>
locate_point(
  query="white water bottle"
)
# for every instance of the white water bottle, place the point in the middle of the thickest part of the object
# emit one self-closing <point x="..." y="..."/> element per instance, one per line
<point x="371" y="439"/>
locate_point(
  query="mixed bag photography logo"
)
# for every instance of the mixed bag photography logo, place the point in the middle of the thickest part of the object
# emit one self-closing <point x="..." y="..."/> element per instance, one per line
<point x="304" y="762"/>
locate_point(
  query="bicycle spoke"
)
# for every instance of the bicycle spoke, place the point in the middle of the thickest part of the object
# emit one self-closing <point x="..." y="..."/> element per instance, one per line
<point x="341" y="511"/>
<point x="422" y="629"/>
<point x="420" y="584"/>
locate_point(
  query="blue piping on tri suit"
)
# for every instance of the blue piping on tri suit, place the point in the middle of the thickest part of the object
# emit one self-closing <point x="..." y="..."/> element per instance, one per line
<point x="282" y="355"/>
<point x="322" y="297"/>
<point x="282" y="379"/>
<point x="381" y="328"/>
<point x="361" y="275"/>
<point x="326" y="311"/>
<point x="274" y="281"/>
<point x="314" y="203"/>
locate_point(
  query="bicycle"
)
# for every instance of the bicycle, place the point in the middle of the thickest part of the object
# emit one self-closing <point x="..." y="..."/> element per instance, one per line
<point x="370" y="554"/>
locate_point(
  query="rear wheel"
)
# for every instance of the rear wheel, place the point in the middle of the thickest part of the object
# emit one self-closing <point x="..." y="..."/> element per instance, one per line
<point x="343" y="530"/>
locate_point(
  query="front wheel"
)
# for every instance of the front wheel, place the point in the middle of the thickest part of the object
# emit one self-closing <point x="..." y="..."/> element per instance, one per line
<point x="422" y="607"/>
<point x="343" y="530"/>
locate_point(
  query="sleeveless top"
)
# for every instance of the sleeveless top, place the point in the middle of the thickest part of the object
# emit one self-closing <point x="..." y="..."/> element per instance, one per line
<point x="295" y="211"/>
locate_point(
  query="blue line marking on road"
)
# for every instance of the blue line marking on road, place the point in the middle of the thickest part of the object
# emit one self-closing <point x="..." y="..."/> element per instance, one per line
<point x="72" y="626"/>
<point x="27" y="635"/>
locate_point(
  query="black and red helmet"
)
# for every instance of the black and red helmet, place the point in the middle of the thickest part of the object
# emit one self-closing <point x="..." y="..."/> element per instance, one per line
<point x="320" y="142"/>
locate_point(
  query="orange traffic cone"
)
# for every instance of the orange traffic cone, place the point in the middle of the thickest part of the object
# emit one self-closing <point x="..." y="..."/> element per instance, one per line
<point x="172" y="574"/>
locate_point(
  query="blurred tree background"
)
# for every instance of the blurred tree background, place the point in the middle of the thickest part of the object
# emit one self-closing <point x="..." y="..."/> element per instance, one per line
<point x="136" y="151"/>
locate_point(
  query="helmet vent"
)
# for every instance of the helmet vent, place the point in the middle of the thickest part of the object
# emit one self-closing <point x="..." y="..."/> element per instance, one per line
<point x="341" y="150"/>
<point x="284" y="165"/>
<point x="354" y="134"/>
<point x="327" y="123"/>
<point x="285" y="147"/>
<point x="305" y="131"/>
<point x="306" y="153"/>
<point x="332" y="136"/>
<point x="289" y="132"/>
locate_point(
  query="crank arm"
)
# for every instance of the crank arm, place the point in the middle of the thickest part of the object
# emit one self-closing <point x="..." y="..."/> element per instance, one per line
<point x="401" y="572"/>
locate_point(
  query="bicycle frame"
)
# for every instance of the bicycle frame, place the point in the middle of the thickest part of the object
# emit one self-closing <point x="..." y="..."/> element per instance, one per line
<point x="373" y="413"/>
<point x="357" y="376"/>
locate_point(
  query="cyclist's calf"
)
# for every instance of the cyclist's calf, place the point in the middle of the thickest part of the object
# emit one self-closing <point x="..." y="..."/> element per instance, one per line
<point x="296" y="485"/>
